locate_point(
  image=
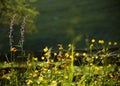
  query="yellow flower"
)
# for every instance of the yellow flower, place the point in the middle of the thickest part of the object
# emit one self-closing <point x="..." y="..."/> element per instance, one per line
<point x="111" y="75"/>
<point x="45" y="69"/>
<point x="69" y="45"/>
<point x="55" y="54"/>
<point x="109" y="65"/>
<point x="5" y="62"/>
<point x="96" y="69"/>
<point x="13" y="49"/>
<point x="35" y="58"/>
<point x="47" y="54"/>
<point x="36" y="71"/>
<point x="40" y="78"/>
<point x="45" y="49"/>
<point x="93" y="57"/>
<point x="96" y="57"/>
<point x="29" y="81"/>
<point x="53" y="83"/>
<point x="35" y="75"/>
<point x="91" y="64"/>
<point x="67" y="68"/>
<point x="52" y="60"/>
<point x="77" y="54"/>
<point x="101" y="41"/>
<point x="8" y="78"/>
<point x="103" y="50"/>
<point x="29" y="65"/>
<point x="95" y="82"/>
<point x="30" y="74"/>
<point x="55" y="68"/>
<point x="42" y="58"/>
<point x="93" y="40"/>
<point x="84" y="54"/>
<point x="66" y="77"/>
<point x="109" y="43"/>
<point x="115" y="43"/>
<point x="66" y="55"/>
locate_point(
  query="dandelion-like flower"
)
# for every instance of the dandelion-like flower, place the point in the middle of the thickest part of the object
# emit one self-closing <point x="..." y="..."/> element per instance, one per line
<point x="35" y="58"/>
<point x="115" y="43"/>
<point x="8" y="78"/>
<point x="101" y="41"/>
<point x="66" y="55"/>
<point x="93" y="40"/>
<point x="13" y="49"/>
<point x="40" y="78"/>
<point x="77" y="54"/>
<point x="84" y="54"/>
<point x="45" y="49"/>
<point x="109" y="43"/>
<point x="42" y="58"/>
<point x="29" y="81"/>
<point x="65" y="77"/>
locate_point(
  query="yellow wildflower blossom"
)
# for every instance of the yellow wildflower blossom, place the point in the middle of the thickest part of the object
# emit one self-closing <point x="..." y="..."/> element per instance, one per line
<point x="55" y="68"/>
<point x="96" y="57"/>
<point x="29" y="81"/>
<point x="45" y="49"/>
<point x="93" y="40"/>
<point x="5" y="62"/>
<point x="35" y="58"/>
<point x="13" y="49"/>
<point x="66" y="55"/>
<point x="109" y="43"/>
<point x="35" y="75"/>
<point x="95" y="82"/>
<point x="40" y="78"/>
<point x="8" y="78"/>
<point x="115" y="43"/>
<point x="55" y="54"/>
<point x="69" y="45"/>
<point x="103" y="50"/>
<point x="30" y="74"/>
<point x="42" y="58"/>
<point x="111" y="75"/>
<point x="66" y="77"/>
<point x="91" y="64"/>
<point x="77" y="54"/>
<point x="101" y="41"/>
<point x="29" y="65"/>
<point x="53" y="83"/>
<point x="84" y="54"/>
<point x="36" y="71"/>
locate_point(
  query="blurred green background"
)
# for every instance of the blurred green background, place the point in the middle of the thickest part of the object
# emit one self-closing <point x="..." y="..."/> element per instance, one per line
<point x="62" y="21"/>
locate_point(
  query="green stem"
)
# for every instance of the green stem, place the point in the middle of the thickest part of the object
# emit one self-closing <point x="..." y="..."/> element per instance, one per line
<point x="71" y="65"/>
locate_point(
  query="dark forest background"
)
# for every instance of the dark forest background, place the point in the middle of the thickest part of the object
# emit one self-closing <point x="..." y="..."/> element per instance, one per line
<point x="62" y="21"/>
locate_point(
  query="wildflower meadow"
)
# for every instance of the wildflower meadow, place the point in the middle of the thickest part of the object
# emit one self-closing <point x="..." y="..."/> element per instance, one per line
<point x="96" y="65"/>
